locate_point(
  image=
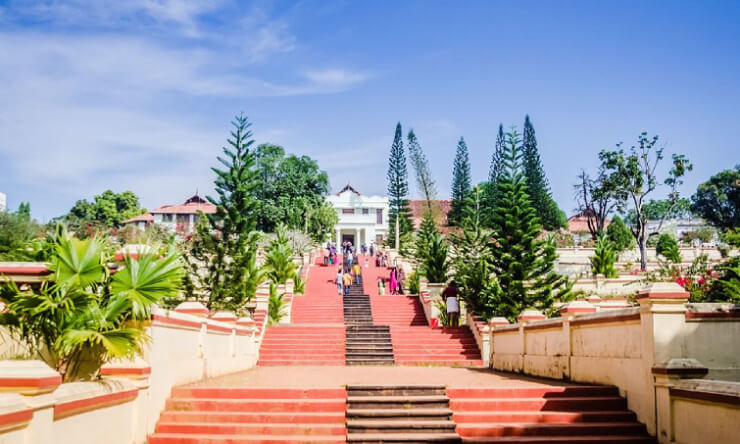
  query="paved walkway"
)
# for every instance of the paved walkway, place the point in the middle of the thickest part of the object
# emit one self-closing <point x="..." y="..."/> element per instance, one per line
<point x="336" y="376"/>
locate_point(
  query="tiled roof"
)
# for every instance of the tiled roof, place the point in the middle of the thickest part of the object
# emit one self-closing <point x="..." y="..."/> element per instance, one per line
<point x="579" y="224"/>
<point x="146" y="217"/>
<point x="190" y="206"/>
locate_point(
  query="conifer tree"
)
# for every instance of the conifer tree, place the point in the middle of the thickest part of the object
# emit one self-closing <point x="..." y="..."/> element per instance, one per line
<point x="461" y="184"/>
<point x="398" y="188"/>
<point x="620" y="235"/>
<point x="227" y="244"/>
<point x="537" y="186"/>
<point x="522" y="261"/>
<point x="605" y="255"/>
<point x="488" y="199"/>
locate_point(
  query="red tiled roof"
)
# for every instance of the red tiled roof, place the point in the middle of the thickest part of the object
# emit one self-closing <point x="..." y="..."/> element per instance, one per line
<point x="579" y="224"/>
<point x="146" y="217"/>
<point x="190" y="206"/>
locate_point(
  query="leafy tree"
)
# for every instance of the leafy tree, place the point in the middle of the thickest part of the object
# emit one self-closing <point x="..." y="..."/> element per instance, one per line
<point x="107" y="210"/>
<point x="522" y="261"/>
<point x="718" y="199"/>
<point x="473" y="261"/>
<point x="87" y="316"/>
<point x="537" y="186"/>
<point x="461" y="183"/>
<point x="668" y="247"/>
<point x="290" y="188"/>
<point x="321" y="221"/>
<point x="597" y="198"/>
<point x="620" y="235"/>
<point x="225" y="244"/>
<point x="24" y="210"/>
<point x="701" y="234"/>
<point x="398" y="189"/>
<point x="17" y="235"/>
<point x="634" y="175"/>
<point x="605" y="255"/>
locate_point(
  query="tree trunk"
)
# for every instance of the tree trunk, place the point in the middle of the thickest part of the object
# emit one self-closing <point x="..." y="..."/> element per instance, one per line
<point x="643" y="250"/>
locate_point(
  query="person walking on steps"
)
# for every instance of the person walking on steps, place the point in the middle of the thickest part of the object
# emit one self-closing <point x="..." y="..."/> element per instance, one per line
<point x="393" y="282"/>
<point x="346" y="281"/>
<point x="358" y="273"/>
<point x="339" y="281"/>
<point x="450" y="295"/>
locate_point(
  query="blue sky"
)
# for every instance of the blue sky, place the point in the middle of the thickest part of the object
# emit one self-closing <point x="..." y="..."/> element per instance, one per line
<point x="139" y="94"/>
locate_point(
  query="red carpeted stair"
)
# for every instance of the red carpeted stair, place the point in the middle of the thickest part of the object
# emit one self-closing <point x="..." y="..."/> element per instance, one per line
<point x="302" y="345"/>
<point x="589" y="414"/>
<point x="320" y="304"/>
<point x="212" y="415"/>
<point x="441" y="346"/>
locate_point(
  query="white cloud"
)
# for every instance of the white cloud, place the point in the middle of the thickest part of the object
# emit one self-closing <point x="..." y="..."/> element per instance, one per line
<point x="335" y="78"/>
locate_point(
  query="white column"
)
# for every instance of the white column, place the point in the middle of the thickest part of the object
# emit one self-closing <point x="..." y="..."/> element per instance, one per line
<point x="339" y="238"/>
<point x="357" y="238"/>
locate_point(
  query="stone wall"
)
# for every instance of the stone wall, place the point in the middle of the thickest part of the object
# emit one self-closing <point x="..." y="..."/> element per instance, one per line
<point x="124" y="406"/>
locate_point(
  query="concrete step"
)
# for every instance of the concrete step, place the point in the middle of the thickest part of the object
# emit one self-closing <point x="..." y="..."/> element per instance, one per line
<point x="254" y="417"/>
<point x="395" y="390"/>
<point x="184" y="438"/>
<point x="419" y="414"/>
<point x="251" y="429"/>
<point x="257" y="393"/>
<point x="543" y="417"/>
<point x="612" y="439"/>
<point x="403" y="437"/>
<point x="533" y="392"/>
<point x="256" y="405"/>
<point x="551" y="430"/>
<point x="392" y="425"/>
<point x="598" y="403"/>
<point x="396" y="402"/>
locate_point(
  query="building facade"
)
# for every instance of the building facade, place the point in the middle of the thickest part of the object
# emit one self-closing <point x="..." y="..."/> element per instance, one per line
<point x="362" y="219"/>
<point x="178" y="218"/>
<point x="3" y="202"/>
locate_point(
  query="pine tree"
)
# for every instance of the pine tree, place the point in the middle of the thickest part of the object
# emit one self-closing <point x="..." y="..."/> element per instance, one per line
<point x="398" y="188"/>
<point x="537" y="186"/>
<point x="460" y="184"/>
<point x="431" y="250"/>
<point x="24" y="211"/>
<point x="605" y="255"/>
<point x="231" y="257"/>
<point x="488" y="199"/>
<point x="620" y="235"/>
<point x="522" y="261"/>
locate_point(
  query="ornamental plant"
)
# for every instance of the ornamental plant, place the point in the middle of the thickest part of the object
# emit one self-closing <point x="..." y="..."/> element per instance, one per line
<point x="88" y="314"/>
<point x="667" y="247"/>
<point x="605" y="255"/>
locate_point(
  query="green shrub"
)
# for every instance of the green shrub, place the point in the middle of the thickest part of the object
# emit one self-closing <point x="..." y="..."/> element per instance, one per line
<point x="412" y="283"/>
<point x="668" y="248"/>
<point x="620" y="235"/>
<point x="275" y="307"/>
<point x="605" y="255"/>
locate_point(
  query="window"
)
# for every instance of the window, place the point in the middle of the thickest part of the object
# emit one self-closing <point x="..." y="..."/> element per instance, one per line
<point x="379" y="216"/>
<point x="365" y="211"/>
<point x="348" y="211"/>
<point x="166" y="218"/>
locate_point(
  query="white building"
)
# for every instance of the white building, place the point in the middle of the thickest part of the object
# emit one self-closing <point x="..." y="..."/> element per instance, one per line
<point x="3" y="202"/>
<point x="362" y="219"/>
<point x="178" y="218"/>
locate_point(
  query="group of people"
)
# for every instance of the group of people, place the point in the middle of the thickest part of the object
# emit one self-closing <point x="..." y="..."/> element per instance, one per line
<point x="349" y="273"/>
<point x="396" y="280"/>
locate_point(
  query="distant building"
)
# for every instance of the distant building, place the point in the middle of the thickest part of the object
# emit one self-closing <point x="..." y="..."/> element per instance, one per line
<point x="362" y="219"/>
<point x="3" y="201"/>
<point x="578" y="226"/>
<point x="440" y="208"/>
<point x="676" y="227"/>
<point x="178" y="218"/>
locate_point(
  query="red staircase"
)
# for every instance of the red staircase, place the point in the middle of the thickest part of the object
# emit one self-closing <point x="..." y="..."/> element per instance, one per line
<point x="538" y="415"/>
<point x="302" y="345"/>
<point x="440" y="346"/>
<point x="405" y="311"/>
<point x="212" y="415"/>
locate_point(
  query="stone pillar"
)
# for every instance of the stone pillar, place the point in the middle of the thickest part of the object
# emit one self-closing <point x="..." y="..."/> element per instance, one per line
<point x="667" y="374"/>
<point x="662" y="321"/>
<point x="357" y="239"/>
<point x="339" y="239"/>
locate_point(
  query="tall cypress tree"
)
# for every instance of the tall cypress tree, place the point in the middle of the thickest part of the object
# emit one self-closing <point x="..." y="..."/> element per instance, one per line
<point x="460" y="184"/>
<point x="398" y="188"/>
<point x="537" y="186"/>
<point x="522" y="262"/>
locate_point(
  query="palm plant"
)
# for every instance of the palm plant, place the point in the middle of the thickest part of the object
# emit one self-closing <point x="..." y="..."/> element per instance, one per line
<point x="275" y="307"/>
<point x="86" y="315"/>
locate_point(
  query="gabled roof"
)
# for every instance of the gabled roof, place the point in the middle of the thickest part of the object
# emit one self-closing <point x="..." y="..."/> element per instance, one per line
<point x="146" y="217"/>
<point x="190" y="206"/>
<point x="349" y="187"/>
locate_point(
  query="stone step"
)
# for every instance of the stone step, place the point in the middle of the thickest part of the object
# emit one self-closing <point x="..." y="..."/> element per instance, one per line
<point x="594" y="439"/>
<point x="390" y="425"/>
<point x="551" y="430"/>
<point x="251" y="429"/>
<point x="598" y="403"/>
<point x="544" y="417"/>
<point x="415" y="414"/>
<point x="403" y="437"/>
<point x="395" y="390"/>
<point x="185" y="438"/>
<point x="379" y="402"/>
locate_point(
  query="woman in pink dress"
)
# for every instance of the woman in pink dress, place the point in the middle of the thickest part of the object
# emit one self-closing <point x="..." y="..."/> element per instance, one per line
<point x="393" y="281"/>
